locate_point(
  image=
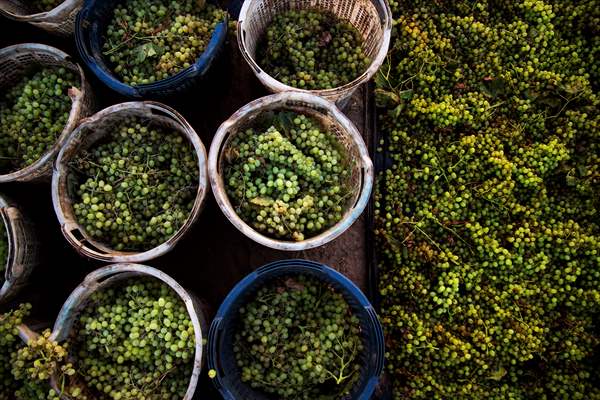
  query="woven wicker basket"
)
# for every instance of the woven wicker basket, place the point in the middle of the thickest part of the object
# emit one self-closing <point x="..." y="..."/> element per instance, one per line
<point x="85" y="136"/>
<point x="112" y="275"/>
<point x="60" y="20"/>
<point x="334" y="121"/>
<point x="372" y="18"/>
<point x="23" y="254"/>
<point x="18" y="60"/>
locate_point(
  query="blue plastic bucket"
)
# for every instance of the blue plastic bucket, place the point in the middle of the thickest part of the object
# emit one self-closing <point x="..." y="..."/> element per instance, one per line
<point x="221" y="357"/>
<point x="90" y="27"/>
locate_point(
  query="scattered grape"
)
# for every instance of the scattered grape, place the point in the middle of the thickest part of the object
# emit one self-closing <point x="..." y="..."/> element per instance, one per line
<point x="151" y="40"/>
<point x="312" y="50"/>
<point x="298" y="339"/>
<point x="291" y="180"/>
<point x="137" y="187"/>
<point x="33" y="114"/>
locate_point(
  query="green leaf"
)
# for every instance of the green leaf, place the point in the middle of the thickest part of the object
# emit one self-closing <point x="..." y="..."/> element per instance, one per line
<point x="262" y="201"/>
<point x="498" y="374"/>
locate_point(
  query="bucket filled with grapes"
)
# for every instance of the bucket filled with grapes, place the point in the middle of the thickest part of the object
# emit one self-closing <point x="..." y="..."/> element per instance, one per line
<point x="150" y="48"/>
<point x="296" y="329"/>
<point x="290" y="171"/>
<point x="132" y="332"/>
<point x="44" y="96"/>
<point x="18" y="249"/>
<point x="54" y="16"/>
<point x="130" y="182"/>
<point x="328" y="48"/>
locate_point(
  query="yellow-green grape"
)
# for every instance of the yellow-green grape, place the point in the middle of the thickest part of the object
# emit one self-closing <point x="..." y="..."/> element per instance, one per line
<point x="312" y="50"/>
<point x="10" y="344"/>
<point x="151" y="40"/>
<point x="137" y="187"/>
<point x="136" y="342"/>
<point x="298" y="339"/>
<point x="33" y="114"/>
<point x="487" y="222"/>
<point x="290" y="180"/>
<point x="3" y="251"/>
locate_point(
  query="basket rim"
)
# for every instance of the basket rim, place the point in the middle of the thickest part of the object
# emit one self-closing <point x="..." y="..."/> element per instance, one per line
<point x="85" y="289"/>
<point x="76" y="104"/>
<point x="59" y="187"/>
<point x="295" y="266"/>
<point x="334" y="93"/>
<point x="200" y="65"/>
<point x="4" y="225"/>
<point x="66" y="5"/>
<point x="351" y="214"/>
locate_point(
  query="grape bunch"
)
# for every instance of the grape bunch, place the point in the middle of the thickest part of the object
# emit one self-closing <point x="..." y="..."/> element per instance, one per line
<point x="135" y="341"/>
<point x="46" y="5"/>
<point x="297" y="338"/>
<point x="487" y="214"/>
<point x="137" y="187"/>
<point x="151" y="40"/>
<point x="33" y="114"/>
<point x="3" y="251"/>
<point x="312" y="50"/>
<point x="9" y="344"/>
<point x="290" y="180"/>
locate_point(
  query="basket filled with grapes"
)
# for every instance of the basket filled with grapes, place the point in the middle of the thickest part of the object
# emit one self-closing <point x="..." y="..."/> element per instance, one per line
<point x="54" y="16"/>
<point x="44" y="97"/>
<point x="290" y="171"/>
<point x="18" y="249"/>
<point x="296" y="329"/>
<point x="328" y="48"/>
<point x="133" y="332"/>
<point x="150" y="48"/>
<point x="130" y="182"/>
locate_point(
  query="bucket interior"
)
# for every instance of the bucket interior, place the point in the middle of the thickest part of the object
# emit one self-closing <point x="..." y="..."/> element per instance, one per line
<point x="229" y="373"/>
<point x="364" y="15"/>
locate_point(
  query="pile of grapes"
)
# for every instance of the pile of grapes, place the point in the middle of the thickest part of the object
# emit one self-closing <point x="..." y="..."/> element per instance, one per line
<point x="136" y="187"/>
<point x="151" y="40"/>
<point x="298" y="339"/>
<point x="288" y="177"/>
<point x="9" y="344"/>
<point x="135" y="341"/>
<point x="3" y="251"/>
<point x="487" y="219"/>
<point x="33" y="114"/>
<point x="312" y="50"/>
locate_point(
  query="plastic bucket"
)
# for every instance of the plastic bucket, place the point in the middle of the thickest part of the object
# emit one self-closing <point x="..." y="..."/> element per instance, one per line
<point x="60" y="20"/>
<point x="335" y="122"/>
<point x="91" y="25"/>
<point x="17" y="60"/>
<point x="372" y="18"/>
<point x="115" y="274"/>
<point x="23" y="253"/>
<point x="91" y="131"/>
<point x="221" y="357"/>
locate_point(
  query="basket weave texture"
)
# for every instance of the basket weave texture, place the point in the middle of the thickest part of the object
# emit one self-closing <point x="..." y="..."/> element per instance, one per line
<point x="59" y="21"/>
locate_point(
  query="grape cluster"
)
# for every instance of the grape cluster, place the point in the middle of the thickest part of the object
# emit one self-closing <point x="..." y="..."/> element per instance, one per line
<point x="487" y="216"/>
<point x="151" y="40"/>
<point x="312" y="50"/>
<point x="3" y="251"/>
<point x="46" y="5"/>
<point x="137" y="187"/>
<point x="33" y="114"/>
<point x="135" y="341"/>
<point x="9" y="344"/>
<point x="290" y="180"/>
<point x="298" y="339"/>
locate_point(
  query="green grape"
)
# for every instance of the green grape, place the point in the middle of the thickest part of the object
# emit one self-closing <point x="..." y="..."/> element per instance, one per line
<point x="291" y="180"/>
<point x="136" y="342"/>
<point x="487" y="212"/>
<point x="151" y="40"/>
<point x="3" y="251"/>
<point x="312" y="50"/>
<point x="33" y="114"/>
<point x="297" y="338"/>
<point x="137" y="187"/>
<point x="9" y="344"/>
